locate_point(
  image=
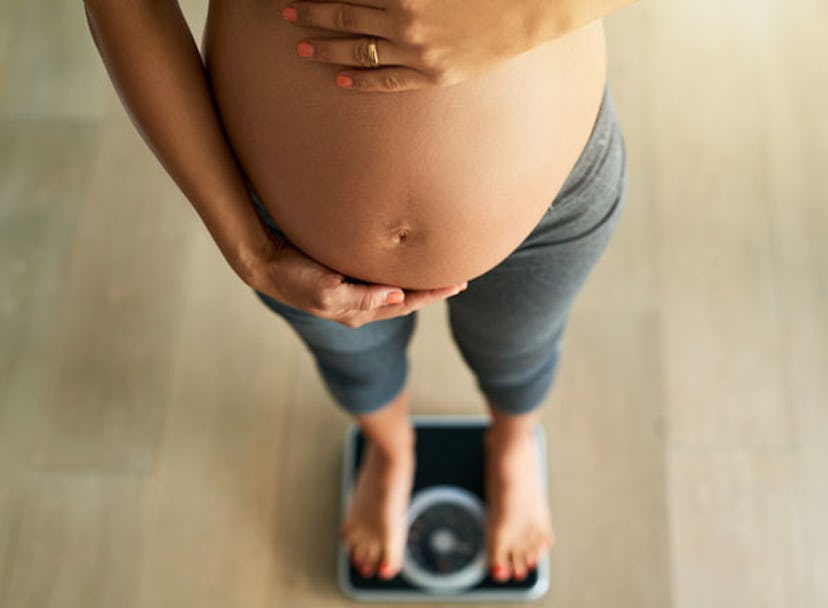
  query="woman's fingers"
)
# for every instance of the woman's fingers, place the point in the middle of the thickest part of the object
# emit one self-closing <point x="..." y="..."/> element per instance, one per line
<point x="415" y="300"/>
<point x="418" y="299"/>
<point x="361" y="304"/>
<point x="353" y="296"/>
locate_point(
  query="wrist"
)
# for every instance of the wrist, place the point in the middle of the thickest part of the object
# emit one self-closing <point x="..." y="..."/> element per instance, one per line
<point x="240" y="234"/>
<point x="252" y="257"/>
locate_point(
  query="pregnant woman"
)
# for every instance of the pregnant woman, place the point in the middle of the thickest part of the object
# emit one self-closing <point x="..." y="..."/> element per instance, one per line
<point x="355" y="162"/>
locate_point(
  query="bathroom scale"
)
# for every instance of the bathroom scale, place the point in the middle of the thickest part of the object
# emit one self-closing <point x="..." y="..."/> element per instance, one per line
<point x="445" y="555"/>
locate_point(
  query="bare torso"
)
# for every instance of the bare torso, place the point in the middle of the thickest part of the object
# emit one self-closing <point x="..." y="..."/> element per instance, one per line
<point x="417" y="189"/>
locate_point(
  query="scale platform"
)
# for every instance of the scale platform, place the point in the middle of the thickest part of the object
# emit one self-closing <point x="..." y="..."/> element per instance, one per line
<point x="445" y="555"/>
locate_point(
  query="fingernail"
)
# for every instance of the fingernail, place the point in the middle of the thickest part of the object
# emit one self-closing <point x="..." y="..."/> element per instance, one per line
<point x="289" y="13"/>
<point x="385" y="569"/>
<point x="394" y="297"/>
<point x="304" y="49"/>
<point x="343" y="80"/>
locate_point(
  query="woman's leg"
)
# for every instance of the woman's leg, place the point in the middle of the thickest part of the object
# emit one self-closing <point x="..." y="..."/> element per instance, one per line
<point x="363" y="368"/>
<point x="365" y="371"/>
<point x="509" y="325"/>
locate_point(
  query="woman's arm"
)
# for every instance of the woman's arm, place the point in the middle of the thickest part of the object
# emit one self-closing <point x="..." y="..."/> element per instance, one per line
<point x="156" y="69"/>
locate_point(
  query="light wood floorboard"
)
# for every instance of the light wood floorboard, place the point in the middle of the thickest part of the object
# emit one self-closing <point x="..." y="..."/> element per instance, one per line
<point x="218" y="485"/>
<point x="797" y="149"/>
<point x="607" y="470"/>
<point x="50" y="69"/>
<point x="41" y="196"/>
<point x="712" y="227"/>
<point x="75" y="540"/>
<point x="108" y="364"/>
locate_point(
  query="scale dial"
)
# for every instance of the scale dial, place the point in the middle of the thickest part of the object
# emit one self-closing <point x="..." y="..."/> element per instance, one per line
<point x="446" y="548"/>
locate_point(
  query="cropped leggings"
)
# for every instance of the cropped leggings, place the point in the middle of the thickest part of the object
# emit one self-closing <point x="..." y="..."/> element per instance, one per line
<point x="509" y="323"/>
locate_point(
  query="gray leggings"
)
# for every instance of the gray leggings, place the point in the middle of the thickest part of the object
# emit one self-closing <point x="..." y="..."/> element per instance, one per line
<point x="509" y="323"/>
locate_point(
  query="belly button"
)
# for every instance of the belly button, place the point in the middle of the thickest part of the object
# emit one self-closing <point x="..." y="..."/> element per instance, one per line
<point x="400" y="234"/>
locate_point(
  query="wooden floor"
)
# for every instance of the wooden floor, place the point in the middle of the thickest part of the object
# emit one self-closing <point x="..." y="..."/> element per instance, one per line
<point x="166" y="441"/>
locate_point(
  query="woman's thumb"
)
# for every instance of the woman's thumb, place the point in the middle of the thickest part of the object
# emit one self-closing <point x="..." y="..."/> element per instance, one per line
<point x="363" y="297"/>
<point x="392" y="296"/>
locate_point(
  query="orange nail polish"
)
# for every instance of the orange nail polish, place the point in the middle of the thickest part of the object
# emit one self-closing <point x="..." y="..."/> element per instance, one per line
<point x="304" y="49"/>
<point x="395" y="297"/>
<point x="289" y="13"/>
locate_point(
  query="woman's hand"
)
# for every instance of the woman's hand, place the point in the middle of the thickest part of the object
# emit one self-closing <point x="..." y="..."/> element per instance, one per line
<point x="434" y="42"/>
<point x="429" y="42"/>
<point x="286" y="274"/>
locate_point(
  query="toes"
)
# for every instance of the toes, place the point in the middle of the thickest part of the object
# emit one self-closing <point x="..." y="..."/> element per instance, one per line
<point x="352" y="543"/>
<point x="369" y="564"/>
<point x="500" y="563"/>
<point x="392" y="558"/>
<point x="501" y="572"/>
<point x="518" y="565"/>
<point x="362" y="557"/>
<point x="371" y="558"/>
<point x="388" y="569"/>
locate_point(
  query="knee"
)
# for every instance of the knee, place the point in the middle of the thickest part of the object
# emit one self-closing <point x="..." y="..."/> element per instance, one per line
<point x="520" y="385"/>
<point x="362" y="385"/>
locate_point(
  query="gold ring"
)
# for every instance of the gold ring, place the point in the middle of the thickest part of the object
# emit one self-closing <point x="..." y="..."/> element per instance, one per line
<point x="372" y="53"/>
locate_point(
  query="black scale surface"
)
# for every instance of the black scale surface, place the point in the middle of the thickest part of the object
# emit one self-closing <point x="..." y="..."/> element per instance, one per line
<point x="446" y="455"/>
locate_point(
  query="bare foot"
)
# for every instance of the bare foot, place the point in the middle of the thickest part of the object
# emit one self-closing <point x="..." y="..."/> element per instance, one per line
<point x="519" y="525"/>
<point x="375" y="528"/>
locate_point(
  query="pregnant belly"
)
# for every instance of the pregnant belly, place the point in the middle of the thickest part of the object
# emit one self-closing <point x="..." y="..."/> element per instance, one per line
<point x="417" y="189"/>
